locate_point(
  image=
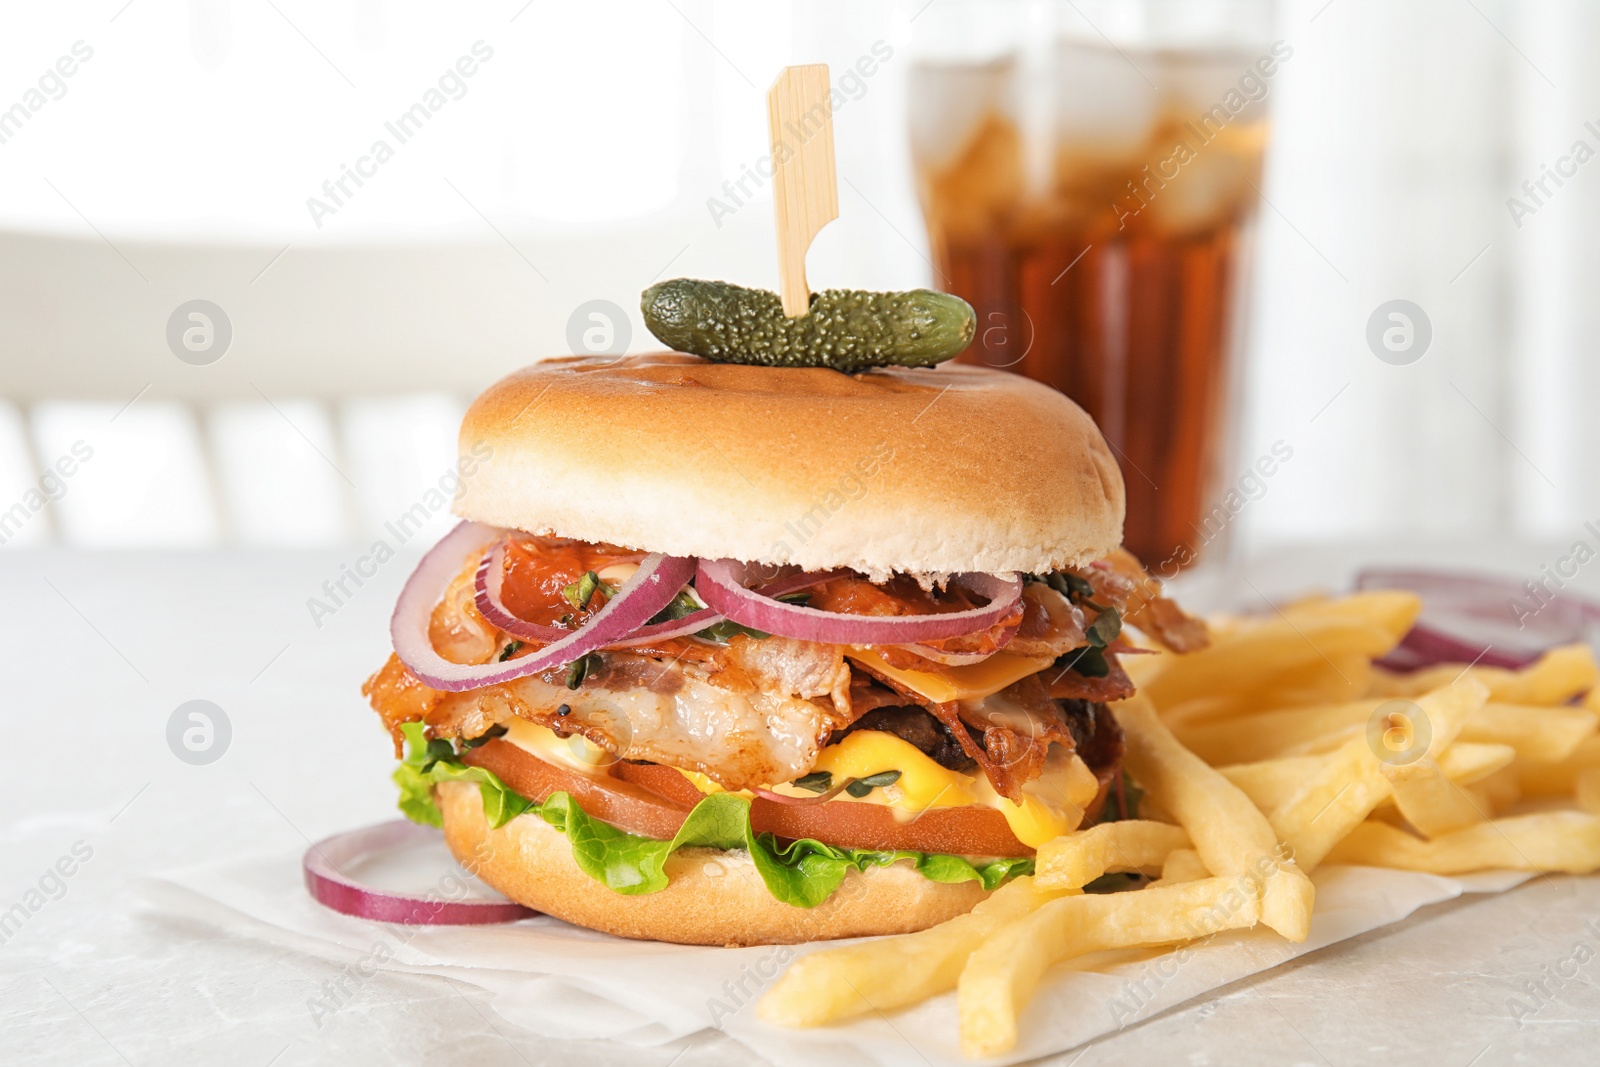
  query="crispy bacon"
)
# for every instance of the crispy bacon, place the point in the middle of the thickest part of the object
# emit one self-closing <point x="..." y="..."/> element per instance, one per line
<point x="1051" y="624"/>
<point x="1019" y="725"/>
<point x="1157" y="616"/>
<point x="397" y="697"/>
<point x="1014" y="729"/>
<point x="1063" y="683"/>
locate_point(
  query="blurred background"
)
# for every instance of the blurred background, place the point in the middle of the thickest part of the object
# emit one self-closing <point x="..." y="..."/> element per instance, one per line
<point x="257" y="255"/>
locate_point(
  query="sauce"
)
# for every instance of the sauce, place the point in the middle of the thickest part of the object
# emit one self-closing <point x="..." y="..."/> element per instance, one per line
<point x="537" y="569"/>
<point x="898" y="596"/>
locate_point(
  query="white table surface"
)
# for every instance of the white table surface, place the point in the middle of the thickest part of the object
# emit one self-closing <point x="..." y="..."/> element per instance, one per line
<point x="100" y="649"/>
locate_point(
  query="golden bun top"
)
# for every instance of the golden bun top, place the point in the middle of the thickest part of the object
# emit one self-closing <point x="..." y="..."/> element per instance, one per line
<point x="929" y="471"/>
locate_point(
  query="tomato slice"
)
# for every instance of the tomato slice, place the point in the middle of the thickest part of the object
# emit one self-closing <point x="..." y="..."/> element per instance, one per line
<point x="649" y="799"/>
<point x="967" y="831"/>
<point x="667" y="782"/>
<point x="622" y="804"/>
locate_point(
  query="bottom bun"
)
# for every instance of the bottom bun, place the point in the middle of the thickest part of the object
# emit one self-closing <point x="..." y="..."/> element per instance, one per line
<point x="713" y="897"/>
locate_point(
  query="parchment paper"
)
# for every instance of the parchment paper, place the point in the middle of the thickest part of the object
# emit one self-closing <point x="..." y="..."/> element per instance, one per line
<point x="566" y="982"/>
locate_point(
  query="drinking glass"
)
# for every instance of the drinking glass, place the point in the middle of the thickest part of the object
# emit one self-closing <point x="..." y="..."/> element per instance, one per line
<point x="1089" y="173"/>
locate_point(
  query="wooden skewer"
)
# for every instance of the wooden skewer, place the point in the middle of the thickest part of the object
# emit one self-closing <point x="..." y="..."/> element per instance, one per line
<point x="805" y="188"/>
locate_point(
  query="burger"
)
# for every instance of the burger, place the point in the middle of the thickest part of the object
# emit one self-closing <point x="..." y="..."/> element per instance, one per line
<point x="730" y="655"/>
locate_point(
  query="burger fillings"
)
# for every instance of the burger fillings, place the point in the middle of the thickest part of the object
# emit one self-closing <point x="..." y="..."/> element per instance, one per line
<point x="822" y="720"/>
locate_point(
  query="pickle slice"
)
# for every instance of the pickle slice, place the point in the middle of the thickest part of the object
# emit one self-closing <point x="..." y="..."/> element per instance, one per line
<point x="845" y="329"/>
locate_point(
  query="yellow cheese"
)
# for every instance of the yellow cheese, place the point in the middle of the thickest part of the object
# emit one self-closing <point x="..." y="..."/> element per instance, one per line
<point x="922" y="784"/>
<point x="701" y="782"/>
<point x="1052" y="805"/>
<point x="972" y="682"/>
<point x="576" y="752"/>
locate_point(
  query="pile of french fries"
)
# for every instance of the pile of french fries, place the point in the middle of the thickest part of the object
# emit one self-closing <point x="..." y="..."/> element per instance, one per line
<point x="1279" y="748"/>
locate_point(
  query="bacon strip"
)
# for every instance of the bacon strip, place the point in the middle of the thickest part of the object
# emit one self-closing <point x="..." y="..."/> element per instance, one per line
<point x="1067" y="684"/>
<point x="1159" y="617"/>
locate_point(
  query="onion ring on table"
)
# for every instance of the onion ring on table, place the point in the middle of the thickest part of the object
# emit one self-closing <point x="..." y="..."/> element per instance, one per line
<point x="331" y="887"/>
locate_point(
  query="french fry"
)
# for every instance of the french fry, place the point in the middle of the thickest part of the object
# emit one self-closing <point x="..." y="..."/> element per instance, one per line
<point x="1588" y="791"/>
<point x="1352" y="782"/>
<point x="1546" y="841"/>
<point x="1313" y="652"/>
<point x="1318" y="770"/>
<point x="1555" y="678"/>
<point x="1342" y="794"/>
<point x="1466" y="762"/>
<point x="1002" y="974"/>
<point x="836" y="983"/>
<point x="1183" y="865"/>
<point x="1497" y="792"/>
<point x="1074" y="860"/>
<point x="1537" y="733"/>
<point x="1429" y="800"/>
<point x="1393" y="612"/>
<point x="1292" y="672"/>
<point x="1230" y="833"/>
<point x="1543" y="778"/>
<point x="1275" y="734"/>
<point x="1268" y="783"/>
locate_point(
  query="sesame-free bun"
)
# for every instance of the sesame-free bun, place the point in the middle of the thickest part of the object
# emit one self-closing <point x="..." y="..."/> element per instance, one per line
<point x="927" y="471"/>
<point x="712" y="897"/>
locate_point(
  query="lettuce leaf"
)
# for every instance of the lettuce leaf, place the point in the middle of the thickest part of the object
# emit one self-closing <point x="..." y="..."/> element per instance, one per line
<point x="803" y="873"/>
<point x="423" y="767"/>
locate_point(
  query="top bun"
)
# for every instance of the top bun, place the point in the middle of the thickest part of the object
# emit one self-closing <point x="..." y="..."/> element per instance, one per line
<point x="931" y="471"/>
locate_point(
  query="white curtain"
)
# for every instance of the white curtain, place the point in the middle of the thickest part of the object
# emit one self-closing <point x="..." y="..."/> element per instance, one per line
<point x="1402" y="130"/>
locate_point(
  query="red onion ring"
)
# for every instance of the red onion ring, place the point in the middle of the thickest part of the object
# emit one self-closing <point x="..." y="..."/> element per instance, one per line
<point x="796" y="582"/>
<point x="718" y="584"/>
<point x="1423" y="646"/>
<point x="329" y="886"/>
<point x="1472" y="619"/>
<point x="802" y="802"/>
<point x="651" y="588"/>
<point x="687" y="626"/>
<point x="962" y="659"/>
<point x="490" y="580"/>
<point x="487" y="584"/>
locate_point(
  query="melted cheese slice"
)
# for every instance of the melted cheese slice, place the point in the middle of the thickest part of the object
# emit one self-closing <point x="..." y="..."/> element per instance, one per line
<point x="576" y="752"/>
<point x="945" y="684"/>
<point x="1052" y="805"/>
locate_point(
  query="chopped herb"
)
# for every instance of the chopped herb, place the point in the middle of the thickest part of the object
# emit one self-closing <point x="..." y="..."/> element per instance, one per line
<point x="564" y="710"/>
<point x="683" y="605"/>
<point x="1123" y="801"/>
<point x="1087" y="661"/>
<point x="1105" y="628"/>
<point x="727" y="630"/>
<point x="488" y="735"/>
<point x="438" y="749"/>
<point x="1069" y="585"/>
<point x="793" y="598"/>
<point x="581" y="669"/>
<point x="580" y="592"/>
<point x="511" y="650"/>
<point x="816" y="781"/>
<point x="862" y="786"/>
